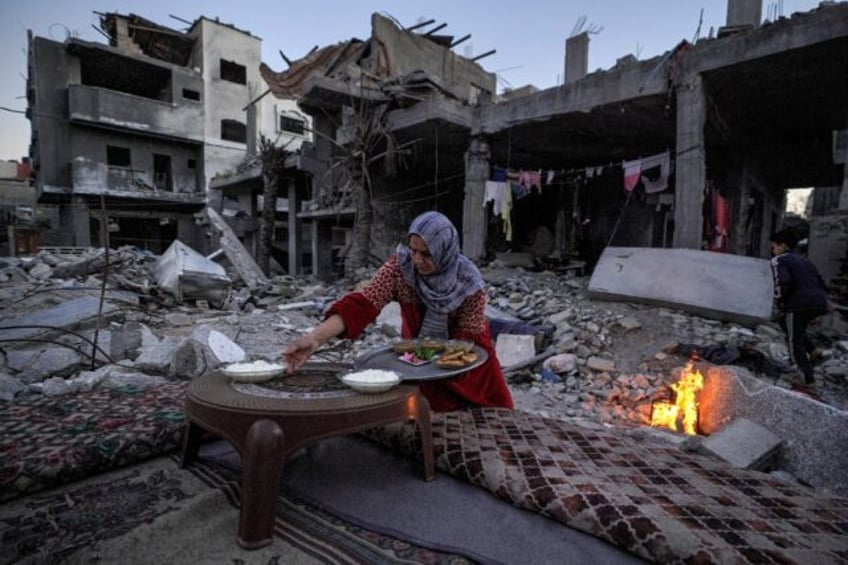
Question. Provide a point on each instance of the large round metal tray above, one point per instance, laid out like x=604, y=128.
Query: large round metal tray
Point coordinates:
x=387, y=358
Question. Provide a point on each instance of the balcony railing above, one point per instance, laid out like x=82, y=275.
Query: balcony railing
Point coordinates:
x=126, y=111
x=93, y=178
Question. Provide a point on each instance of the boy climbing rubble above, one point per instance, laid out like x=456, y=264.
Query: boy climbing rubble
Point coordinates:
x=801, y=297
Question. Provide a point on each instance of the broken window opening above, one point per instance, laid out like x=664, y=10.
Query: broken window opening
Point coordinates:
x=233, y=72
x=292, y=125
x=190, y=94
x=122, y=74
x=192, y=164
x=162, y=178
x=233, y=130
x=118, y=156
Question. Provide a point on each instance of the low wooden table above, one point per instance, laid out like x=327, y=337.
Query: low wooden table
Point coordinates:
x=266, y=426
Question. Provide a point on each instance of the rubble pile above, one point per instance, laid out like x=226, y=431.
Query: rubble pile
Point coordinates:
x=604, y=362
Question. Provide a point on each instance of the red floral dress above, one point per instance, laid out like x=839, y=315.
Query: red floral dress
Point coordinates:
x=483, y=386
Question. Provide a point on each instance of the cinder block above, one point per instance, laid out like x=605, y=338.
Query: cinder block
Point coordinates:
x=744, y=443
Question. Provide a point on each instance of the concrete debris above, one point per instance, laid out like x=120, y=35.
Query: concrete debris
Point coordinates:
x=744, y=444
x=604, y=364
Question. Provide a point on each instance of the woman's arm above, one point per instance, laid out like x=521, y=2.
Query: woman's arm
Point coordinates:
x=303, y=347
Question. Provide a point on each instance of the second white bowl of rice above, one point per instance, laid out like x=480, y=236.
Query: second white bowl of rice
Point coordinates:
x=371, y=380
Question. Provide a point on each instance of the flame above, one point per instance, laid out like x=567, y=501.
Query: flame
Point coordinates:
x=685, y=406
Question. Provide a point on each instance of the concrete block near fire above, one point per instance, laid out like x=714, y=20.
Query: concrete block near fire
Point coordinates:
x=745, y=444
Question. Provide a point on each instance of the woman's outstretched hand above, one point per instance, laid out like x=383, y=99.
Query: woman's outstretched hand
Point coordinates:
x=299, y=351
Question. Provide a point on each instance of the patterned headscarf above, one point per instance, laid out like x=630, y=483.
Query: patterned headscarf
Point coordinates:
x=456, y=277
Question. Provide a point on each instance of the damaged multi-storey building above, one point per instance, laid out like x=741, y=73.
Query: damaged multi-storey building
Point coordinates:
x=693, y=149
x=127, y=136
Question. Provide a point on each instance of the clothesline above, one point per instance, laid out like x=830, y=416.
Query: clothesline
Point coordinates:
x=635, y=170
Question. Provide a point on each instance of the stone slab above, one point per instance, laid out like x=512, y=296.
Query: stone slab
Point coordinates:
x=512, y=349
x=715, y=285
x=814, y=433
x=68, y=314
x=744, y=444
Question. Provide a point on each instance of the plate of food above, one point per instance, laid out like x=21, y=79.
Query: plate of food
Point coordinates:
x=462, y=356
x=371, y=381
x=254, y=371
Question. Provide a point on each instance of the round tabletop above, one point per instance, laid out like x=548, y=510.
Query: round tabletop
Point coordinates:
x=315, y=388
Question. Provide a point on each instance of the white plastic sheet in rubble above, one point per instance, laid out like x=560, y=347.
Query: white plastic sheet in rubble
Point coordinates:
x=186, y=274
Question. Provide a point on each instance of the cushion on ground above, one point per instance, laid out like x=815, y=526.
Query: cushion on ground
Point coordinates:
x=49, y=441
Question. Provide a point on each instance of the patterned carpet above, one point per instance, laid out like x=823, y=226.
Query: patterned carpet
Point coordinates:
x=155, y=512
x=656, y=502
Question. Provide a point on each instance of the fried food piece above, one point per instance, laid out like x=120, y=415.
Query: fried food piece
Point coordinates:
x=456, y=360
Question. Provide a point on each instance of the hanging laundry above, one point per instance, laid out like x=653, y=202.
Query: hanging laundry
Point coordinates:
x=632, y=173
x=550, y=178
x=498, y=174
x=518, y=190
x=506, y=213
x=655, y=171
x=529, y=179
x=494, y=192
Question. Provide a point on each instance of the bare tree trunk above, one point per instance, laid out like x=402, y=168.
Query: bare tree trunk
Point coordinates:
x=360, y=247
x=266, y=227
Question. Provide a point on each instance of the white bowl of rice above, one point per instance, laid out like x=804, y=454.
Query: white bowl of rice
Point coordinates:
x=371, y=381
x=254, y=371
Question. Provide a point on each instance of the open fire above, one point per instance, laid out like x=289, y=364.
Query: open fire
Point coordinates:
x=684, y=410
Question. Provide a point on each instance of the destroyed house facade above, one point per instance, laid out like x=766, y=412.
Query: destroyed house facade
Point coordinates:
x=127, y=135
x=691, y=149
x=400, y=100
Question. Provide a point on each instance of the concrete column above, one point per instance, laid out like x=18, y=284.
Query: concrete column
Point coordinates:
x=294, y=226
x=13, y=243
x=473, y=213
x=252, y=129
x=842, y=144
x=691, y=167
x=576, y=57
x=744, y=12
x=322, y=250
x=80, y=222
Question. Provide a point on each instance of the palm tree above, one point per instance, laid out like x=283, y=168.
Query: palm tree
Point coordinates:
x=273, y=160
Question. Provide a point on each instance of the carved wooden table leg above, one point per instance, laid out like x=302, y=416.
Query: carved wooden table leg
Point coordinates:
x=191, y=443
x=423, y=417
x=262, y=466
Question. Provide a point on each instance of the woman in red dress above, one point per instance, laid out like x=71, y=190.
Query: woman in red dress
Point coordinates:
x=441, y=295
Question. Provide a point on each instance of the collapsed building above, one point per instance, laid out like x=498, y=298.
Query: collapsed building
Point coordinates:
x=693, y=149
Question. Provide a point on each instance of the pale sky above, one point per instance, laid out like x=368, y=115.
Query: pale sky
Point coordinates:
x=529, y=35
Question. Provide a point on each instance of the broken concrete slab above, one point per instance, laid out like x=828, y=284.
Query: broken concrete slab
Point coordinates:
x=513, y=349
x=156, y=354
x=716, y=285
x=69, y=314
x=51, y=362
x=596, y=363
x=813, y=432
x=244, y=263
x=744, y=444
x=10, y=387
